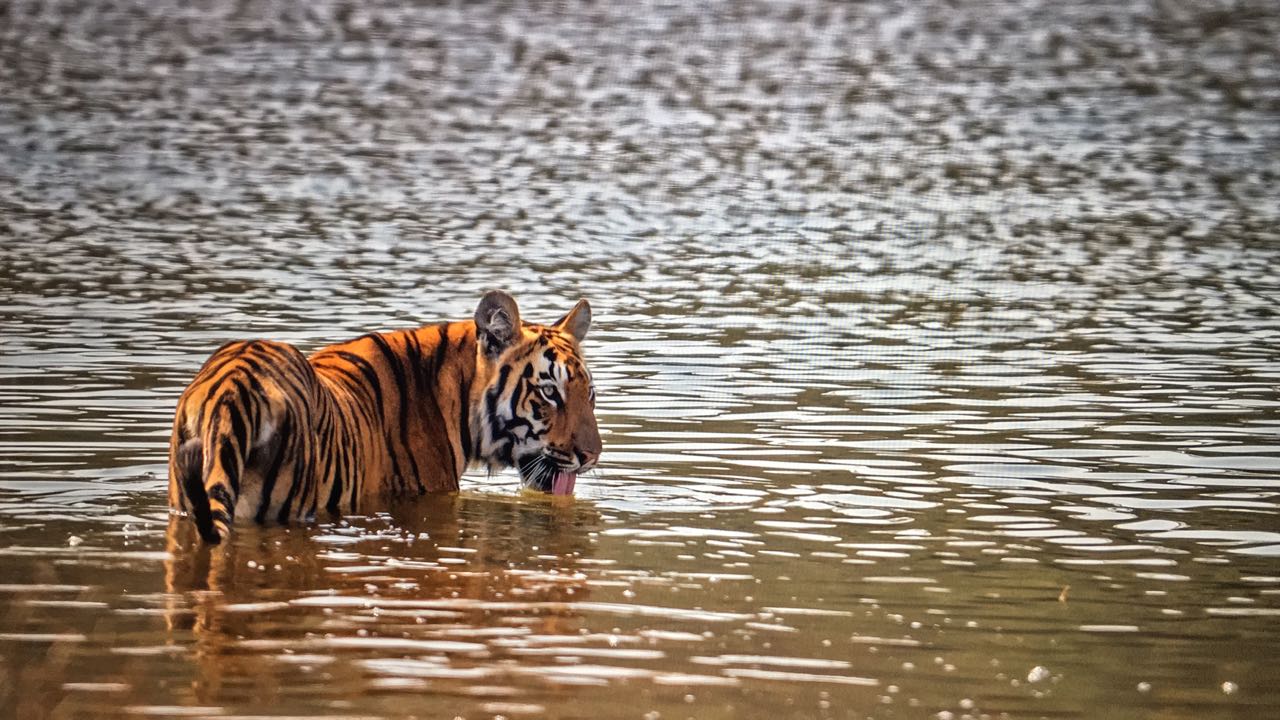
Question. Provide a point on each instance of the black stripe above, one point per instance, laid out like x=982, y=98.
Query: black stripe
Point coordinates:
x=324, y=448
x=239, y=354
x=339, y=472
x=291, y=374
x=357, y=484
x=521, y=388
x=367, y=370
x=516, y=422
x=252, y=399
x=238, y=427
x=287, y=369
x=402, y=386
x=252, y=379
x=295, y=483
x=442, y=349
x=491, y=397
x=210, y=399
x=346, y=373
x=305, y=484
x=228, y=455
x=350, y=462
x=218, y=493
x=413, y=349
x=371, y=382
x=419, y=373
x=439, y=358
x=187, y=461
x=269, y=479
x=354, y=383
x=199, y=502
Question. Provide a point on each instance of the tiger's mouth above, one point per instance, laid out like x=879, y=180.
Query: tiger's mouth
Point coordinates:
x=541, y=473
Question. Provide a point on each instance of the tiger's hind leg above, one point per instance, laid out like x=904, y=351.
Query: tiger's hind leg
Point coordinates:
x=234, y=452
x=185, y=469
x=207, y=455
x=238, y=422
x=264, y=466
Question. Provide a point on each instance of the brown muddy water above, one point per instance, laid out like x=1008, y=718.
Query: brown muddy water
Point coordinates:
x=937, y=349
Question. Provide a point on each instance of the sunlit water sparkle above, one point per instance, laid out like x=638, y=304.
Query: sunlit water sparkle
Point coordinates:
x=937, y=355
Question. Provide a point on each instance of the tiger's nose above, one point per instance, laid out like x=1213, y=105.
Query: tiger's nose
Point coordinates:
x=586, y=459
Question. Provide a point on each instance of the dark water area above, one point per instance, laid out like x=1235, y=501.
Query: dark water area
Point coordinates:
x=936, y=349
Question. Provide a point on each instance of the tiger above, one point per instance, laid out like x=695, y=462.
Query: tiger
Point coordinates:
x=267, y=434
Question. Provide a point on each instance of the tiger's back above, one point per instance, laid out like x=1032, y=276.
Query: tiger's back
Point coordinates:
x=267, y=434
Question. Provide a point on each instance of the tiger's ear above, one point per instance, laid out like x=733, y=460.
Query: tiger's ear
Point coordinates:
x=578, y=321
x=497, y=322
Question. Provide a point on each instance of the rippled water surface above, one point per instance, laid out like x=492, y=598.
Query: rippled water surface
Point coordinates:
x=937, y=350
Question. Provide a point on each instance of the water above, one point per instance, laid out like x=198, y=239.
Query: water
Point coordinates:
x=936, y=346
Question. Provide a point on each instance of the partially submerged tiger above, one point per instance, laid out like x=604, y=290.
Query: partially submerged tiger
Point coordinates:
x=264, y=433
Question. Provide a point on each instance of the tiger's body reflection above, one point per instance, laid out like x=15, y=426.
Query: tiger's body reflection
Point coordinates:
x=275, y=602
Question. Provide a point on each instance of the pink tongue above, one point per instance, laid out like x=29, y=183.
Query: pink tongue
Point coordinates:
x=562, y=483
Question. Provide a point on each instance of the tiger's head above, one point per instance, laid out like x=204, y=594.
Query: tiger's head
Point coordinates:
x=537, y=409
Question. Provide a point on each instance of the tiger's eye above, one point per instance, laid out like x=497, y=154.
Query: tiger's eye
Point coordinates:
x=548, y=392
